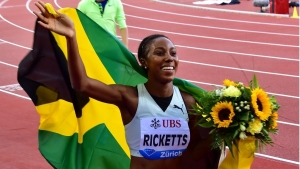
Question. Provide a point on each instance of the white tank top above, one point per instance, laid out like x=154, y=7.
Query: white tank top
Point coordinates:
x=154, y=133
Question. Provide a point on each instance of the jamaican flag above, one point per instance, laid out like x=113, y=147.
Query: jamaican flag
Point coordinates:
x=76, y=131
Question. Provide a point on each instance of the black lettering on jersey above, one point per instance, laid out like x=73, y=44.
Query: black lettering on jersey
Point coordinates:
x=179, y=138
x=184, y=139
x=161, y=140
x=167, y=143
x=146, y=139
x=174, y=136
x=154, y=142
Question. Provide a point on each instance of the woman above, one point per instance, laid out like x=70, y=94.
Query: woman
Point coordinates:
x=159, y=131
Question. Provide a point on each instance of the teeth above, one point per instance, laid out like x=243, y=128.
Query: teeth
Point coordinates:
x=167, y=68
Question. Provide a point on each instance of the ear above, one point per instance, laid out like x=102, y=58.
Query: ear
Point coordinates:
x=143, y=62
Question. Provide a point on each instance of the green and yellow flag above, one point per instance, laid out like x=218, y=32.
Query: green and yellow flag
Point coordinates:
x=75, y=131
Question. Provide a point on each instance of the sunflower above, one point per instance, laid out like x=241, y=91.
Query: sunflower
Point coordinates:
x=228, y=83
x=274, y=118
x=261, y=104
x=222, y=114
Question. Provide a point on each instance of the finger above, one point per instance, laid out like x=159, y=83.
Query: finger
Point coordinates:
x=41, y=3
x=41, y=17
x=44, y=25
x=41, y=7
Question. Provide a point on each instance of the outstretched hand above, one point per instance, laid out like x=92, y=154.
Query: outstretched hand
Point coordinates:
x=60, y=24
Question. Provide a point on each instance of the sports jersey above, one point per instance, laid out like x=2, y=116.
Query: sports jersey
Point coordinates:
x=157, y=134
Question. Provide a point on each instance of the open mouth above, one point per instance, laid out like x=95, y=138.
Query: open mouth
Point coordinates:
x=168, y=68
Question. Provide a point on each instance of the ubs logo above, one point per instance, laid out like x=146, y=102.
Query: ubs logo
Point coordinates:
x=155, y=123
x=171, y=123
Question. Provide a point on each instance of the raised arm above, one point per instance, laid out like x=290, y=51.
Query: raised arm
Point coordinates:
x=64, y=26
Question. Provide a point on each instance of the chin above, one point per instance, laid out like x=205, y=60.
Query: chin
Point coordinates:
x=167, y=80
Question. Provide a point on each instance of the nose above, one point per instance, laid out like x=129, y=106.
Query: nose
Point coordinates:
x=168, y=57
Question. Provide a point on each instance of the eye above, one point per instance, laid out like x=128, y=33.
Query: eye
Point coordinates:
x=159, y=53
x=173, y=53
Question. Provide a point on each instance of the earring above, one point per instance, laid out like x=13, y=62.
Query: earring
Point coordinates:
x=145, y=67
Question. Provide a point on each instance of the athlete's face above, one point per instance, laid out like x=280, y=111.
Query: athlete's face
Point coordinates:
x=162, y=60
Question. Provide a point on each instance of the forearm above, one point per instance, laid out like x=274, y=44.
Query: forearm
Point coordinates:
x=75, y=65
x=124, y=35
x=201, y=141
x=202, y=148
x=88, y=86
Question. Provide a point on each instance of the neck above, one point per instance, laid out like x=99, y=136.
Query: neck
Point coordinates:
x=158, y=89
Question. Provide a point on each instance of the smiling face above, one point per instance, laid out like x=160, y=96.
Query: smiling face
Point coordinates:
x=161, y=61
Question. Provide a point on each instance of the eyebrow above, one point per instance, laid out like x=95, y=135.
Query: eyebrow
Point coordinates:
x=164, y=48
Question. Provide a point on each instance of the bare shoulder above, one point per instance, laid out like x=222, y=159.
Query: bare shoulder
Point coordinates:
x=189, y=100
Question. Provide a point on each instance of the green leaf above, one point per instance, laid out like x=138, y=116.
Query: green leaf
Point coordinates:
x=202, y=120
x=274, y=103
x=207, y=124
x=245, y=116
x=265, y=132
x=255, y=82
x=251, y=84
x=236, y=132
x=229, y=144
x=234, y=124
x=247, y=94
x=272, y=99
x=212, y=131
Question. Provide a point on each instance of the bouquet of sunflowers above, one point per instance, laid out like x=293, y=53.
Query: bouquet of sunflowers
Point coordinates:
x=236, y=112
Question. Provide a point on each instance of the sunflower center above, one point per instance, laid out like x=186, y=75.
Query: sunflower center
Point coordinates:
x=259, y=104
x=224, y=114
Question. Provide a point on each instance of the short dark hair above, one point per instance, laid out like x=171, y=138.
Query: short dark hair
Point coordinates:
x=145, y=44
